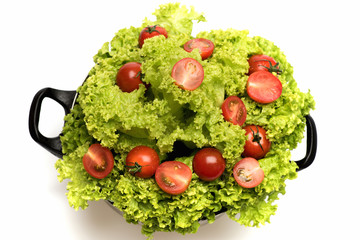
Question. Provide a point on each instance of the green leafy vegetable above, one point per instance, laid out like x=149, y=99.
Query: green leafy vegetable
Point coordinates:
x=163, y=114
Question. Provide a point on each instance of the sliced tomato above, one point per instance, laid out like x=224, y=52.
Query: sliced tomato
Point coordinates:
x=98, y=161
x=247, y=173
x=128, y=77
x=151, y=31
x=234, y=110
x=263, y=63
x=173, y=177
x=208, y=164
x=205, y=46
x=142, y=161
x=263, y=87
x=188, y=74
x=256, y=145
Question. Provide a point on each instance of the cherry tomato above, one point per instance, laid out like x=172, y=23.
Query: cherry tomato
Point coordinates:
x=98, y=161
x=205, y=46
x=263, y=63
x=128, y=77
x=208, y=164
x=263, y=87
x=247, y=173
x=188, y=74
x=173, y=177
x=256, y=145
x=142, y=161
x=151, y=31
x=234, y=110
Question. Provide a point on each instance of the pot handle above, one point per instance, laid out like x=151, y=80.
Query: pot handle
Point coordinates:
x=311, y=144
x=65, y=99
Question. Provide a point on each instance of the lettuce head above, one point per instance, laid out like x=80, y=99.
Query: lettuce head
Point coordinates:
x=164, y=116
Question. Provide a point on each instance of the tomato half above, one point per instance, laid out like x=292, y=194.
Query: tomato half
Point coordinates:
x=234, y=110
x=151, y=31
x=247, y=173
x=263, y=63
x=208, y=164
x=98, y=161
x=256, y=145
x=173, y=177
x=263, y=87
x=128, y=77
x=205, y=46
x=188, y=74
x=142, y=161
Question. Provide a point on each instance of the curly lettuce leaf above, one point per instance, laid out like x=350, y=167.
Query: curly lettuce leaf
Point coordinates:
x=176, y=19
x=75, y=143
x=232, y=48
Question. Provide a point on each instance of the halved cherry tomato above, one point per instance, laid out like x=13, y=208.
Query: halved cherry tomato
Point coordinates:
x=208, y=164
x=142, y=161
x=188, y=74
x=256, y=145
x=205, y=46
x=173, y=177
x=263, y=87
x=128, y=77
x=234, y=110
x=151, y=31
x=263, y=63
x=247, y=173
x=98, y=161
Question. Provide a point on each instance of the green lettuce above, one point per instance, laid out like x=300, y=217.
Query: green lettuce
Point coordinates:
x=177, y=20
x=164, y=116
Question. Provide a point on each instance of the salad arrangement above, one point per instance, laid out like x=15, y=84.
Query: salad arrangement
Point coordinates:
x=173, y=128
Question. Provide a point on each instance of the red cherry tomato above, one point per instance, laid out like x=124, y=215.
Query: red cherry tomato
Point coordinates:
x=188, y=74
x=142, y=161
x=205, y=46
x=256, y=145
x=208, y=164
x=173, y=177
x=234, y=110
x=263, y=63
x=247, y=173
x=128, y=77
x=98, y=161
x=151, y=31
x=263, y=87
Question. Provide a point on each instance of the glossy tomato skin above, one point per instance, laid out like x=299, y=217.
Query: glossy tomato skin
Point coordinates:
x=257, y=145
x=247, y=173
x=151, y=31
x=205, y=46
x=208, y=164
x=188, y=74
x=128, y=77
x=142, y=161
x=263, y=87
x=262, y=63
x=234, y=110
x=98, y=161
x=173, y=177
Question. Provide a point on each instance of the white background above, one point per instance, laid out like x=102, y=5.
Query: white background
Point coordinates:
x=51, y=44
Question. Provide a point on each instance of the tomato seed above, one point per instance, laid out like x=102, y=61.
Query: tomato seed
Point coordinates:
x=244, y=175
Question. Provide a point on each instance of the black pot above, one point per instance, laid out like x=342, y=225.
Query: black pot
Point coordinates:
x=67, y=100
